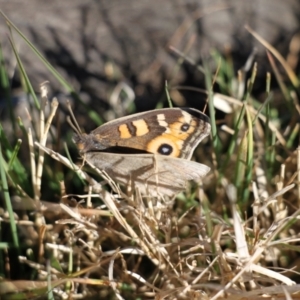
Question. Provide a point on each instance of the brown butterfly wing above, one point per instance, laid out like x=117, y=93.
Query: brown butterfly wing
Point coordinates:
x=173, y=132
x=151, y=174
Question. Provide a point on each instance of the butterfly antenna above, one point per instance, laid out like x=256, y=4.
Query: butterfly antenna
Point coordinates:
x=72, y=120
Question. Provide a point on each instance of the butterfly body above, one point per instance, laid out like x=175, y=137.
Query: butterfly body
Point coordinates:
x=152, y=150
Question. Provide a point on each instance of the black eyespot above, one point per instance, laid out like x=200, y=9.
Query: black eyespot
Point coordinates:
x=165, y=149
x=185, y=127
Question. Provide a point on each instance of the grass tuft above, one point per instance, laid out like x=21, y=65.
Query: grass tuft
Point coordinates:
x=234, y=235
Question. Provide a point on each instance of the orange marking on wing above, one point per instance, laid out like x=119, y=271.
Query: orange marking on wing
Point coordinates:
x=141, y=127
x=154, y=145
x=176, y=130
x=124, y=132
x=174, y=136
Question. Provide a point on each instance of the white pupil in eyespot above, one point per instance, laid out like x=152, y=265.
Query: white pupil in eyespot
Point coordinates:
x=185, y=127
x=165, y=149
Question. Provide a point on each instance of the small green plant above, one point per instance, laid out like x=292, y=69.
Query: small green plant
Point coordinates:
x=231, y=235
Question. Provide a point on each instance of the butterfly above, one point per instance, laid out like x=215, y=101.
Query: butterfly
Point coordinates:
x=150, y=150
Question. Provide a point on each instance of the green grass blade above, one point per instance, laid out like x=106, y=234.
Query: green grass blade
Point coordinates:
x=211, y=108
x=15, y=170
x=232, y=143
x=4, y=85
x=263, y=106
x=168, y=94
x=15, y=152
x=7, y=200
x=28, y=87
x=68, y=87
x=250, y=159
x=240, y=167
x=54, y=72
